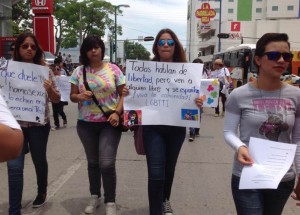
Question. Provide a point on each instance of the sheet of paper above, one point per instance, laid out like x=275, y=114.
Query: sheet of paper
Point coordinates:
x=162, y=93
x=272, y=160
x=209, y=92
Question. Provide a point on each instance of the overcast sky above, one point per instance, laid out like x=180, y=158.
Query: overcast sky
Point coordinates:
x=147, y=17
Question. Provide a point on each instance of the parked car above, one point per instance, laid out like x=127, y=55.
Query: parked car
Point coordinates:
x=49, y=57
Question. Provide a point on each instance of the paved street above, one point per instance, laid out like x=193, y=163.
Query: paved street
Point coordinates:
x=201, y=185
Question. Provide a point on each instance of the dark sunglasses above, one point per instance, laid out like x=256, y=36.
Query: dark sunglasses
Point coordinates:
x=12, y=48
x=275, y=56
x=169, y=42
x=26, y=46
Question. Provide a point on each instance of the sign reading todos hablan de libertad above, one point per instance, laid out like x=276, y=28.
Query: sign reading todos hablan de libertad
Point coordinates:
x=205, y=13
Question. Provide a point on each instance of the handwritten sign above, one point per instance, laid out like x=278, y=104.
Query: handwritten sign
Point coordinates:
x=209, y=92
x=22, y=87
x=162, y=93
x=64, y=87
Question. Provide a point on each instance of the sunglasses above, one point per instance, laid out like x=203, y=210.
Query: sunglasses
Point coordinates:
x=163, y=42
x=26, y=46
x=275, y=56
x=12, y=48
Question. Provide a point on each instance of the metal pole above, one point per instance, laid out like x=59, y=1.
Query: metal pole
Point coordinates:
x=220, y=20
x=116, y=34
x=111, y=48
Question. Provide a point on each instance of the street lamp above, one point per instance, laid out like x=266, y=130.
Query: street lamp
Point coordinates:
x=116, y=8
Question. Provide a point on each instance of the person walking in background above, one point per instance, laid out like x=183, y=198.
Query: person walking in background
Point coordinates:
x=99, y=135
x=11, y=136
x=68, y=61
x=163, y=143
x=221, y=73
x=59, y=64
x=11, y=50
x=27, y=49
x=205, y=75
x=268, y=109
x=58, y=108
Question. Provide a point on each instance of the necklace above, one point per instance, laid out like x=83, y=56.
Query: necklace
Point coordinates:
x=261, y=96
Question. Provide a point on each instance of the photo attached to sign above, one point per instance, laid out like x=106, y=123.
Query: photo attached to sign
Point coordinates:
x=132, y=117
x=188, y=114
x=163, y=92
x=209, y=92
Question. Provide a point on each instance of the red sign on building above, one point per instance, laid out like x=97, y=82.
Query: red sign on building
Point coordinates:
x=205, y=13
x=42, y=6
x=235, y=26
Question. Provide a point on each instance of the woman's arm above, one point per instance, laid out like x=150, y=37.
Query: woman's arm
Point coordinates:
x=11, y=142
x=296, y=140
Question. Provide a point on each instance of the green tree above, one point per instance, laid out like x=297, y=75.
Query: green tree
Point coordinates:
x=21, y=17
x=135, y=50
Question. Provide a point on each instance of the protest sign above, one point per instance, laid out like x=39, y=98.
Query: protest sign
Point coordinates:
x=162, y=93
x=209, y=92
x=23, y=90
x=64, y=87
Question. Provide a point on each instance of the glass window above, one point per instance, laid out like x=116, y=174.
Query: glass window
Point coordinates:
x=259, y=0
x=230, y=10
x=217, y=10
x=258, y=10
x=274, y=8
x=290, y=7
x=230, y=0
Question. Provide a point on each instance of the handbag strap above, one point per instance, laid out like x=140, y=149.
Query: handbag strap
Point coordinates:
x=87, y=87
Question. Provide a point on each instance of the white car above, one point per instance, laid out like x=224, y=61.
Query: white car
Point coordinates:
x=49, y=57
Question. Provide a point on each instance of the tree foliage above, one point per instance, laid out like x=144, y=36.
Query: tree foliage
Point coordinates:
x=21, y=17
x=135, y=50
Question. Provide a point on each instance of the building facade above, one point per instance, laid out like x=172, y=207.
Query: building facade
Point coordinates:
x=244, y=20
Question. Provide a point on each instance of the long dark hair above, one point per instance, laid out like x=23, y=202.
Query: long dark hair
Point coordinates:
x=89, y=43
x=39, y=53
x=179, y=54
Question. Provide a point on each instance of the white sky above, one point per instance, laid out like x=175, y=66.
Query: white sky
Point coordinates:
x=147, y=17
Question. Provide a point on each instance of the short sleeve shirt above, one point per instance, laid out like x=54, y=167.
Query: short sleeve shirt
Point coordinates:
x=104, y=85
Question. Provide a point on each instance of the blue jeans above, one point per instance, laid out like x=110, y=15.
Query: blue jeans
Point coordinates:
x=100, y=142
x=35, y=140
x=261, y=201
x=162, y=146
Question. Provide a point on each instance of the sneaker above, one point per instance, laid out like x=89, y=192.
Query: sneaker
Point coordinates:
x=192, y=138
x=167, y=209
x=216, y=114
x=65, y=123
x=223, y=113
x=92, y=205
x=197, y=134
x=54, y=128
x=111, y=208
x=39, y=200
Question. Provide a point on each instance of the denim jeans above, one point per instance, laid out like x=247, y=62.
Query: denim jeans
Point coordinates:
x=261, y=201
x=162, y=146
x=35, y=139
x=100, y=142
x=58, y=109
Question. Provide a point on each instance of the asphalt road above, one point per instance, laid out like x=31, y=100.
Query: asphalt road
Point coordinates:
x=201, y=185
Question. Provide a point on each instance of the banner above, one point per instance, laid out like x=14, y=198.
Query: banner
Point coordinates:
x=162, y=93
x=64, y=87
x=23, y=90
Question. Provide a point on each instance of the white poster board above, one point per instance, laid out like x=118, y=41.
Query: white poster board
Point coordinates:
x=209, y=92
x=64, y=86
x=22, y=87
x=162, y=93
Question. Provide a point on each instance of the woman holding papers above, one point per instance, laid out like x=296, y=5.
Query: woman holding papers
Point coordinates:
x=36, y=135
x=163, y=143
x=268, y=109
x=98, y=82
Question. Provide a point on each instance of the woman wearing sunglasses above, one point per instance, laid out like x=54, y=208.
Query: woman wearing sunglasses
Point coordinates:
x=268, y=109
x=163, y=143
x=36, y=135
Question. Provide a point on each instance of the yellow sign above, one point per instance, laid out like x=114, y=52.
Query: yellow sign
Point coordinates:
x=205, y=13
